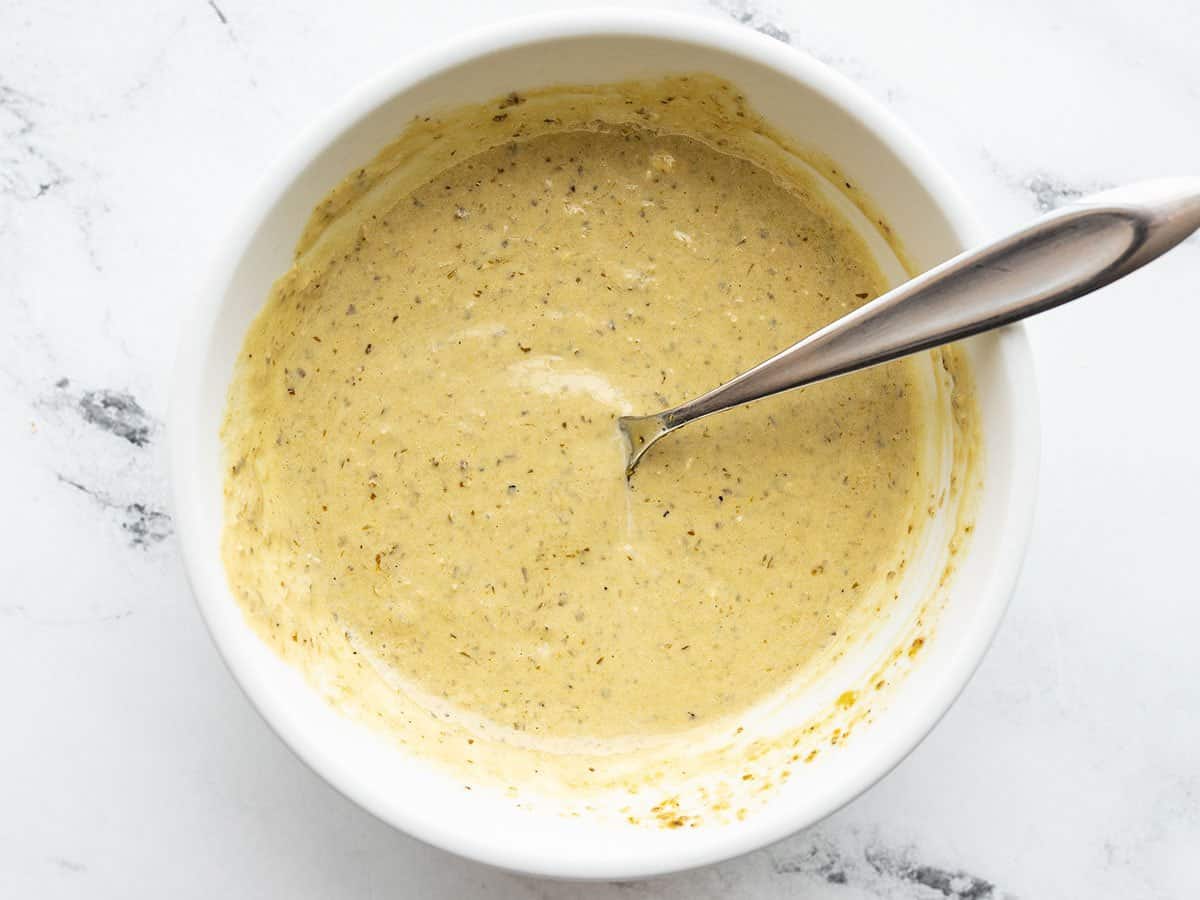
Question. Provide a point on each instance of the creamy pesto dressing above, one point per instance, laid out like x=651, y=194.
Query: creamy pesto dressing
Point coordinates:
x=425, y=486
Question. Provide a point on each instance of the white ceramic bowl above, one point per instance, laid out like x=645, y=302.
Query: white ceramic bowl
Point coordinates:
x=803, y=98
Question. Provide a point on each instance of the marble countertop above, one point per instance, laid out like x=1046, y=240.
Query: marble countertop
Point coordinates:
x=131, y=765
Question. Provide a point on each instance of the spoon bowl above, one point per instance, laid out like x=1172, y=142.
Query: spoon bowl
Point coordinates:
x=818, y=108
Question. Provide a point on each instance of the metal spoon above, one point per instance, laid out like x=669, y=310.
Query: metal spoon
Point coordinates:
x=1063, y=255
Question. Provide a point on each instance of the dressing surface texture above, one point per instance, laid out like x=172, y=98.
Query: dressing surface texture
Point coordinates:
x=424, y=461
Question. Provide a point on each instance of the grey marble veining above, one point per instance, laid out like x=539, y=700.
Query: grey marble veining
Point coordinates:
x=132, y=766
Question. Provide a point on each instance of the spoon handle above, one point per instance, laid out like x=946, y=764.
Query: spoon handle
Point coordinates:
x=1063, y=255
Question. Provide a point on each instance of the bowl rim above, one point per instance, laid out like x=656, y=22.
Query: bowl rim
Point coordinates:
x=726, y=37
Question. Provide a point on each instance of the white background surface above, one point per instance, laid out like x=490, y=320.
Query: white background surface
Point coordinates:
x=131, y=765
